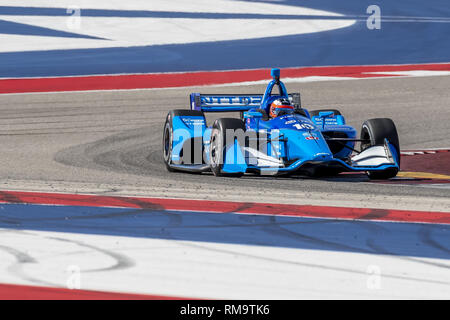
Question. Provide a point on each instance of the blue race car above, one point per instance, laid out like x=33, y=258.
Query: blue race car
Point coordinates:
x=275, y=135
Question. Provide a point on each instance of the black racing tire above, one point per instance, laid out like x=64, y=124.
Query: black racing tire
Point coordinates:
x=219, y=143
x=316, y=112
x=375, y=131
x=168, y=133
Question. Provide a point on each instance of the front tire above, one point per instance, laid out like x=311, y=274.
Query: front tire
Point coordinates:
x=375, y=131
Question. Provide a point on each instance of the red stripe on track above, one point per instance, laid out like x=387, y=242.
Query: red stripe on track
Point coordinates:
x=22, y=292
x=409, y=153
x=437, y=163
x=227, y=207
x=170, y=80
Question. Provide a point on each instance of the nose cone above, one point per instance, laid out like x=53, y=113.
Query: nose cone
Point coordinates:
x=307, y=145
x=322, y=156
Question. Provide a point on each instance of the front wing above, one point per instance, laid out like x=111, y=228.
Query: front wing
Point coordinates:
x=376, y=158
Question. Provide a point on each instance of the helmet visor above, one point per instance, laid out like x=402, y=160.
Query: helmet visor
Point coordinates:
x=277, y=110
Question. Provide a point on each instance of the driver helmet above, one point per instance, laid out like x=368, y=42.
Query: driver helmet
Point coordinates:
x=279, y=107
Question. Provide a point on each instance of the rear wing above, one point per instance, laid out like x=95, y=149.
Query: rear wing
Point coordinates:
x=232, y=102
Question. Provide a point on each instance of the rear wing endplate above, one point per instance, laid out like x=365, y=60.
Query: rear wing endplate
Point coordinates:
x=232, y=102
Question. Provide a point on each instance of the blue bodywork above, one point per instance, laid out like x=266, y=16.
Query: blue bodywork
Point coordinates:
x=293, y=141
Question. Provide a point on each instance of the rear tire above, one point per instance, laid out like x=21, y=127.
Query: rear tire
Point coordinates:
x=375, y=131
x=167, y=141
x=219, y=144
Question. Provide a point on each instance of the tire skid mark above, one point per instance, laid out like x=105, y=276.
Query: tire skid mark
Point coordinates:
x=107, y=125
x=176, y=224
x=20, y=256
x=276, y=229
x=9, y=197
x=51, y=133
x=121, y=261
x=304, y=211
x=22, y=259
x=86, y=101
x=124, y=153
x=53, y=115
x=375, y=214
x=106, y=215
x=72, y=111
x=271, y=220
x=309, y=265
x=129, y=120
x=383, y=251
x=181, y=242
x=426, y=237
x=143, y=208
x=115, y=201
x=376, y=229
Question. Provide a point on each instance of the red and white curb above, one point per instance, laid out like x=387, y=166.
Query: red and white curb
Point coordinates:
x=207, y=78
x=424, y=151
x=26, y=292
x=227, y=207
x=213, y=266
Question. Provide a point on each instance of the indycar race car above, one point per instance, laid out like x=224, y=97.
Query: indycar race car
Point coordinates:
x=274, y=135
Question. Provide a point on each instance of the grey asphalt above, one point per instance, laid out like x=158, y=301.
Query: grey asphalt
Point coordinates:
x=114, y=137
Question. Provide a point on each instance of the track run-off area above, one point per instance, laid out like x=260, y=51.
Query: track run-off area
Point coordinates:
x=72, y=156
x=89, y=211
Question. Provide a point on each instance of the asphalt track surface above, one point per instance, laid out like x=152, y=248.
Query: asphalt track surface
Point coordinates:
x=112, y=141
x=94, y=139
